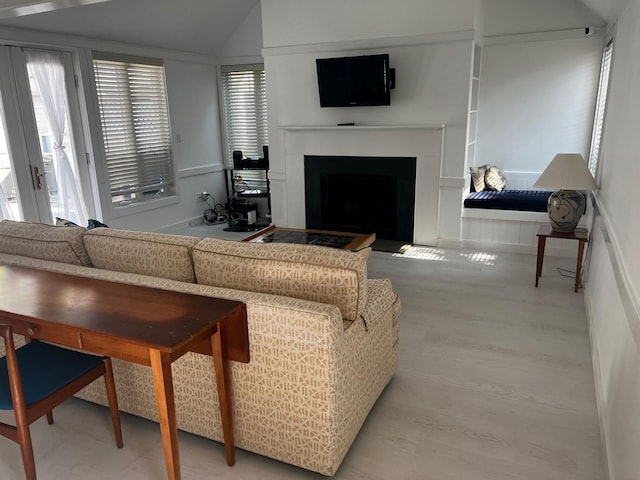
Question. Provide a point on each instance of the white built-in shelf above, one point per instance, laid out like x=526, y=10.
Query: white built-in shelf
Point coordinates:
x=362, y=127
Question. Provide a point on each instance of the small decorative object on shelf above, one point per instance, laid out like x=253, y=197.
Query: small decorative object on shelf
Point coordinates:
x=248, y=192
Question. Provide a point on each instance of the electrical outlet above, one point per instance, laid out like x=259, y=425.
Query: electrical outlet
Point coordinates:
x=203, y=195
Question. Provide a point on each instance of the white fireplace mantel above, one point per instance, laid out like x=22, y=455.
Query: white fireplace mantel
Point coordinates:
x=422, y=141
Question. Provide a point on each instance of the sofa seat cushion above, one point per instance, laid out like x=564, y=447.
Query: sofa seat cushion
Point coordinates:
x=320, y=274
x=146, y=253
x=45, y=242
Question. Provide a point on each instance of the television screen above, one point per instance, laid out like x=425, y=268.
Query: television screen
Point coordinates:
x=354, y=81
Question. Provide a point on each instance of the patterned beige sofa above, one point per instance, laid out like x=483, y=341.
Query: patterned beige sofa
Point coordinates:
x=323, y=337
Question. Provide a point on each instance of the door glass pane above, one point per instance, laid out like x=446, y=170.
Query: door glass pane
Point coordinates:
x=63, y=204
x=9, y=209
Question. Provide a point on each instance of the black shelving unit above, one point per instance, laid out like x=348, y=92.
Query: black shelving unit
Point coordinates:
x=246, y=194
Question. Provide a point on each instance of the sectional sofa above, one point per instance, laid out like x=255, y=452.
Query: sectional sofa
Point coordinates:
x=323, y=337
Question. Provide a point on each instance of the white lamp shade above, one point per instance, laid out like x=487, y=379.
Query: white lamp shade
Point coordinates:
x=567, y=171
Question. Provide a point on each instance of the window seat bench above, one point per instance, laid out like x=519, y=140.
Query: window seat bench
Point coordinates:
x=519, y=200
x=508, y=221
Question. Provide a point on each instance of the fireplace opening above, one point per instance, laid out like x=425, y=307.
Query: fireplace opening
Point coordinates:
x=361, y=195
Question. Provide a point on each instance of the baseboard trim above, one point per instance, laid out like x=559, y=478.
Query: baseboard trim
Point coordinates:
x=518, y=248
x=449, y=243
x=185, y=223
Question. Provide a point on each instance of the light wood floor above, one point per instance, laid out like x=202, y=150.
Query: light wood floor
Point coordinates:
x=494, y=382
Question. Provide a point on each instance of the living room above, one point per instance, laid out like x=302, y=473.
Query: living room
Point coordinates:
x=537, y=95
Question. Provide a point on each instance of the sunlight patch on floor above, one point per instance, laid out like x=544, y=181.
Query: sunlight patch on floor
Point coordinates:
x=423, y=253
x=480, y=257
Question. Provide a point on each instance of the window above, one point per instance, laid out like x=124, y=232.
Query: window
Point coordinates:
x=245, y=110
x=134, y=114
x=601, y=104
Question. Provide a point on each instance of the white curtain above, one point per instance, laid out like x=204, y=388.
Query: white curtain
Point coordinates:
x=5, y=211
x=48, y=71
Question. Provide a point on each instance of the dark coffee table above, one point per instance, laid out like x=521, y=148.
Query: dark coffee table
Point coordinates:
x=304, y=236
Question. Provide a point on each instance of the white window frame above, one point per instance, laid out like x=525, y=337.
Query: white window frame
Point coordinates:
x=595, y=151
x=167, y=198
x=261, y=130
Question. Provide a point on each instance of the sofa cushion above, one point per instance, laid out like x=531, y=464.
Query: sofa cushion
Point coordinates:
x=146, y=253
x=320, y=274
x=46, y=242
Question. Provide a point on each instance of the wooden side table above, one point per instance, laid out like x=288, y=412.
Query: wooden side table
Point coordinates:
x=579, y=234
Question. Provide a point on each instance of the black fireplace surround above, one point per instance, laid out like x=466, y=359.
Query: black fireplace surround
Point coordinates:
x=361, y=195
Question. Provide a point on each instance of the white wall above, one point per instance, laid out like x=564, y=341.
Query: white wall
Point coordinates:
x=536, y=99
x=193, y=104
x=432, y=74
x=197, y=148
x=432, y=83
x=196, y=145
x=300, y=22
x=504, y=17
x=613, y=278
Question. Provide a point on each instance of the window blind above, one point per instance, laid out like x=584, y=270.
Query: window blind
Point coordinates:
x=601, y=103
x=136, y=131
x=245, y=110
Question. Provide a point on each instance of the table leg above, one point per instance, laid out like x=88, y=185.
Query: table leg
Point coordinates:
x=163, y=383
x=221, y=367
x=579, y=264
x=542, y=240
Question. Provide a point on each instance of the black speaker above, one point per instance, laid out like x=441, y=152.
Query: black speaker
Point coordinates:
x=251, y=162
x=237, y=159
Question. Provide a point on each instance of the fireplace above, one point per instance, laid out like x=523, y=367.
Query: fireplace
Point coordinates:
x=423, y=144
x=361, y=194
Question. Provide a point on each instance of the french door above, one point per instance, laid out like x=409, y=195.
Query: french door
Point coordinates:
x=40, y=176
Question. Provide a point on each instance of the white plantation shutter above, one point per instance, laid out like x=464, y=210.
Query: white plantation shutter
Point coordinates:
x=134, y=114
x=245, y=109
x=601, y=104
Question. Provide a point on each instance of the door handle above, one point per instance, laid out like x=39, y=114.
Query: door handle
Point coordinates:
x=37, y=178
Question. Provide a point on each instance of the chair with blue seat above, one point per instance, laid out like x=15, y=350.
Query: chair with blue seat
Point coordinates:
x=36, y=378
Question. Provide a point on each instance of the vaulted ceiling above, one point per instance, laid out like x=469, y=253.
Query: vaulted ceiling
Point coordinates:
x=197, y=26
x=608, y=10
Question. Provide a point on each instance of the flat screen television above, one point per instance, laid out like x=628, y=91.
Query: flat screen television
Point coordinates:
x=354, y=81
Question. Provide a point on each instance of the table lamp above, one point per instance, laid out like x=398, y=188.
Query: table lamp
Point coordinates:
x=568, y=173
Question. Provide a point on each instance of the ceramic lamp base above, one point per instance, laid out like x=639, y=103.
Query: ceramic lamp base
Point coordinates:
x=565, y=209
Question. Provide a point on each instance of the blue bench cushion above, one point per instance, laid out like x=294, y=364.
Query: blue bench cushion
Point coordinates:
x=522, y=200
x=44, y=369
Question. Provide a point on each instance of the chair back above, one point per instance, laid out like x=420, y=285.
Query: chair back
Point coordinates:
x=51, y=374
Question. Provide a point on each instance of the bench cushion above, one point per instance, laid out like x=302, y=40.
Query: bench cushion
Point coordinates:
x=146, y=253
x=522, y=200
x=45, y=242
x=320, y=274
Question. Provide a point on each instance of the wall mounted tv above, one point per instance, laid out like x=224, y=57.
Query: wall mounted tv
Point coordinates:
x=355, y=81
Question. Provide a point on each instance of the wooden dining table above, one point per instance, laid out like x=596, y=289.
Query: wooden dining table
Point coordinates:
x=143, y=325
